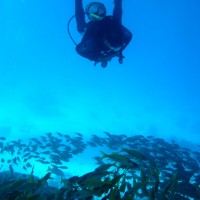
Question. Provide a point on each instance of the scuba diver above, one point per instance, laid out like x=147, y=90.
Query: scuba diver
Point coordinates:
x=104, y=37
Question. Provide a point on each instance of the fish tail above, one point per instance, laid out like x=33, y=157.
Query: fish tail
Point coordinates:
x=104, y=155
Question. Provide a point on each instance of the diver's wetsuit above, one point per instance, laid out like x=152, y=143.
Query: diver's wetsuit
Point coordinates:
x=96, y=33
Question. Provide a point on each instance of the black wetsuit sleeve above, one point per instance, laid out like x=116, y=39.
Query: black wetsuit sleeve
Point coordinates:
x=80, y=16
x=117, y=12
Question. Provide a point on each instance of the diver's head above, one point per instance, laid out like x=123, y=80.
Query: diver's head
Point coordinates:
x=95, y=11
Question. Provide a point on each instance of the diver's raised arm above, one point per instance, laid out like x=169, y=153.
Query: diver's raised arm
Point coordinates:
x=117, y=11
x=80, y=16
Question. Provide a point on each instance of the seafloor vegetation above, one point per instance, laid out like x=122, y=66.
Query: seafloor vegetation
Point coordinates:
x=132, y=167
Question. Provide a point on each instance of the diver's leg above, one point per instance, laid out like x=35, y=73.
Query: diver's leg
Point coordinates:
x=117, y=12
x=80, y=16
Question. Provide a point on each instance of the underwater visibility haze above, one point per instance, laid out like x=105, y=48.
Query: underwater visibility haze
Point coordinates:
x=64, y=123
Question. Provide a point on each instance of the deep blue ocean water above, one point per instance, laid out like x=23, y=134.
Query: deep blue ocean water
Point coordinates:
x=45, y=86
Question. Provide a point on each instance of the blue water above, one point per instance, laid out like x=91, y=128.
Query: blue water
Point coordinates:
x=45, y=86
